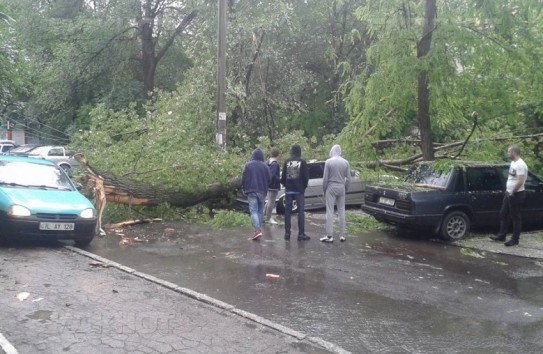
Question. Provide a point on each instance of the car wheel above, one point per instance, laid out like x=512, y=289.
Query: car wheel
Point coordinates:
x=455, y=226
x=85, y=240
x=281, y=206
x=294, y=206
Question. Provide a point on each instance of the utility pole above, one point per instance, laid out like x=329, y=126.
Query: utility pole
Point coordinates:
x=221, y=77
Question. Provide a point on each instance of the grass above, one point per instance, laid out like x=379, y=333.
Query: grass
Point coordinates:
x=224, y=219
x=358, y=223
x=469, y=252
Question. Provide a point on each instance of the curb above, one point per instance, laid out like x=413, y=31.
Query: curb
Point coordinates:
x=213, y=302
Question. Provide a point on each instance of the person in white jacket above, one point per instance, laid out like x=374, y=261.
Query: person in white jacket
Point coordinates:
x=336, y=181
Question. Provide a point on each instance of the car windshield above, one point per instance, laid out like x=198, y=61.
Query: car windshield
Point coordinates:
x=23, y=148
x=42, y=150
x=424, y=175
x=26, y=174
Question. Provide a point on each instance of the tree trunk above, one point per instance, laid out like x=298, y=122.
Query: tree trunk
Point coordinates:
x=423, y=48
x=147, y=48
x=150, y=54
x=123, y=191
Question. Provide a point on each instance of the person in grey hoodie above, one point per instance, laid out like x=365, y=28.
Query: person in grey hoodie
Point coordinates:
x=275, y=186
x=336, y=181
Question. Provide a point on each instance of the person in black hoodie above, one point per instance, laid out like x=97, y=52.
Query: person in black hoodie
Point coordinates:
x=294, y=177
x=254, y=182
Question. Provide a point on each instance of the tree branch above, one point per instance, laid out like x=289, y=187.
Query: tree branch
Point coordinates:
x=474, y=116
x=417, y=157
x=250, y=66
x=179, y=29
x=96, y=54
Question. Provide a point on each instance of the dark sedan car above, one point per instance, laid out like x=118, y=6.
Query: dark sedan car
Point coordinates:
x=451, y=201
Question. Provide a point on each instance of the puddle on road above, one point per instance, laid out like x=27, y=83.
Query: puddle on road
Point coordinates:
x=41, y=316
x=308, y=348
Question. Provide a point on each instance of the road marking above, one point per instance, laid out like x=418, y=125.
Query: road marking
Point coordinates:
x=6, y=346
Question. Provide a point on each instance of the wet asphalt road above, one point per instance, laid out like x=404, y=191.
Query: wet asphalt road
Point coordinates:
x=379, y=292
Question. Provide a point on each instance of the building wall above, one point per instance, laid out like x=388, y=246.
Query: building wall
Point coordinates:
x=17, y=135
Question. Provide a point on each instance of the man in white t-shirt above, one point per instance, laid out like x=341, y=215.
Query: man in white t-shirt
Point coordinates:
x=513, y=199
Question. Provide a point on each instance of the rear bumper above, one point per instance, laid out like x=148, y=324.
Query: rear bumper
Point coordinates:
x=29, y=228
x=426, y=222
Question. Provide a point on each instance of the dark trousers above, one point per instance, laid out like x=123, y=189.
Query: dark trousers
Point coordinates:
x=510, y=211
x=300, y=200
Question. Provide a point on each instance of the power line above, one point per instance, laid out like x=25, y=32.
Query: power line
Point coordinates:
x=41, y=133
x=44, y=125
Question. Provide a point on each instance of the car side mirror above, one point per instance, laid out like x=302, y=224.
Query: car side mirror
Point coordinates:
x=78, y=186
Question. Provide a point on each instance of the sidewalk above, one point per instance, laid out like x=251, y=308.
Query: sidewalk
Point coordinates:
x=79, y=305
x=531, y=245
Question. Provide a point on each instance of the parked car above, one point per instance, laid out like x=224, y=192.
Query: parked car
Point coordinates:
x=6, y=146
x=314, y=195
x=56, y=154
x=449, y=203
x=39, y=201
x=22, y=150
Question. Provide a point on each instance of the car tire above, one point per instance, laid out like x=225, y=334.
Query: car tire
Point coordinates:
x=85, y=240
x=455, y=226
x=280, y=208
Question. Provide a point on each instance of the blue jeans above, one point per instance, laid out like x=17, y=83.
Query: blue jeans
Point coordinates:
x=300, y=200
x=256, y=209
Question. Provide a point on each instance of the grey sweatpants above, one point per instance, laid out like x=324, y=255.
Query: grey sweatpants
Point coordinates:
x=270, y=204
x=335, y=195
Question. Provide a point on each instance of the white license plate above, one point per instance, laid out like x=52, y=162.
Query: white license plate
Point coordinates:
x=57, y=226
x=386, y=201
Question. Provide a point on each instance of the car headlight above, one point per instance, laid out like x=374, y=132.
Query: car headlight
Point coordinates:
x=87, y=213
x=18, y=210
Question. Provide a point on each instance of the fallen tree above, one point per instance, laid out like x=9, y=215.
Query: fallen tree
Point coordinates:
x=121, y=190
x=449, y=150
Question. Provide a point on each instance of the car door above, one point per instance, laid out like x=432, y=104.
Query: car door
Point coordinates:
x=532, y=210
x=485, y=188
x=55, y=154
x=355, y=194
x=314, y=195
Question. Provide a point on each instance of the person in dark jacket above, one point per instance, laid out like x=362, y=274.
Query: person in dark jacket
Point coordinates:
x=275, y=185
x=255, y=181
x=294, y=178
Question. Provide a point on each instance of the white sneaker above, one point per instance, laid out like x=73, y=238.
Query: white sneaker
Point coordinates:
x=328, y=239
x=342, y=238
x=272, y=221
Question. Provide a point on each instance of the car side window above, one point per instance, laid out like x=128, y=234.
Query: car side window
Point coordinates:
x=483, y=179
x=532, y=183
x=459, y=185
x=316, y=170
x=56, y=152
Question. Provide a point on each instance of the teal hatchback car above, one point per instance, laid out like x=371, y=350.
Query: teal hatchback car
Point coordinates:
x=39, y=201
